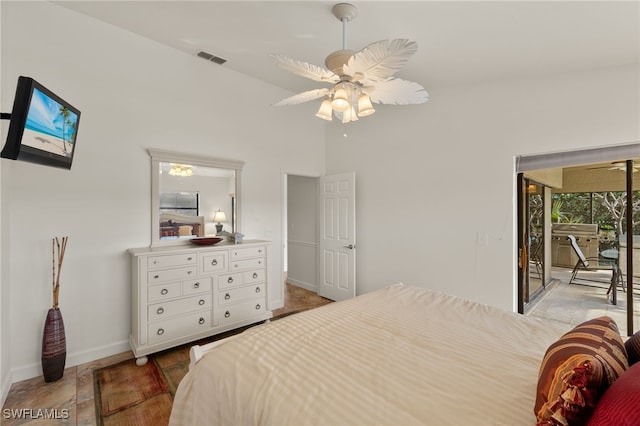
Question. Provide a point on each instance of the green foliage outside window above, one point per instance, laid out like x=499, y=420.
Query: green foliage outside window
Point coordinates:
x=607, y=209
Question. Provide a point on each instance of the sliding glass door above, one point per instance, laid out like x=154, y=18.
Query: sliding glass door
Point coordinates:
x=606, y=194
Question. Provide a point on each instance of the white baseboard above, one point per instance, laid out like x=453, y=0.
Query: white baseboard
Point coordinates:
x=35, y=369
x=302, y=284
x=4, y=389
x=276, y=304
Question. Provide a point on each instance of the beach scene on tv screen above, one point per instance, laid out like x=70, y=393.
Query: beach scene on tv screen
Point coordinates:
x=50, y=126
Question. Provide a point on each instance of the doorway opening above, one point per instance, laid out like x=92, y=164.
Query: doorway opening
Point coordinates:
x=301, y=231
x=319, y=234
x=592, y=196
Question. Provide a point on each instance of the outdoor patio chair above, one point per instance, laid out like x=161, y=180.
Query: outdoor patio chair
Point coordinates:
x=595, y=264
x=536, y=255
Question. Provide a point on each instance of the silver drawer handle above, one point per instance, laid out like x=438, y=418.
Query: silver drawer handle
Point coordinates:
x=214, y=262
x=196, y=285
x=235, y=266
x=227, y=296
x=155, y=277
x=160, y=331
x=164, y=291
x=258, y=307
x=189, y=272
x=189, y=258
x=201, y=302
x=259, y=262
x=255, y=275
x=230, y=280
x=257, y=289
x=227, y=314
x=201, y=320
x=259, y=250
x=160, y=311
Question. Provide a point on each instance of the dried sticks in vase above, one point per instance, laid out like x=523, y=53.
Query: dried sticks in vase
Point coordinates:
x=55, y=243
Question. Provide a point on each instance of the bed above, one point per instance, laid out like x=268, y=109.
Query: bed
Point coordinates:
x=174, y=226
x=400, y=355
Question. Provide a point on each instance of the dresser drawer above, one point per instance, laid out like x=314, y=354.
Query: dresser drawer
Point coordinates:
x=244, y=253
x=229, y=280
x=254, y=276
x=239, y=265
x=162, y=310
x=214, y=262
x=168, y=261
x=179, y=327
x=166, y=291
x=200, y=285
x=176, y=274
x=241, y=311
x=241, y=293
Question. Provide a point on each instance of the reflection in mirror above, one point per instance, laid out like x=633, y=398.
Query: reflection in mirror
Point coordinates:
x=192, y=196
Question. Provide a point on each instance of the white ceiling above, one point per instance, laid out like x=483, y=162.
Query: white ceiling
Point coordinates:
x=458, y=42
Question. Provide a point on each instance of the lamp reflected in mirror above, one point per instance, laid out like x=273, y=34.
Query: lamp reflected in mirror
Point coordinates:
x=218, y=217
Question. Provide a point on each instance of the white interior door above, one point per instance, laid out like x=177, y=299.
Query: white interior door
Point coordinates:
x=337, y=236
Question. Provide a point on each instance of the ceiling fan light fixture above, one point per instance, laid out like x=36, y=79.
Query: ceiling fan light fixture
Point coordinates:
x=365, y=108
x=325, y=110
x=340, y=99
x=371, y=68
x=349, y=115
x=180, y=170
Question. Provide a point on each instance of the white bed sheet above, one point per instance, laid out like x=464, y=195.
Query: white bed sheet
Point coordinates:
x=398, y=356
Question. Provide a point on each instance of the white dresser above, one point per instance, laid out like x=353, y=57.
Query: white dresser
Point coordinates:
x=183, y=293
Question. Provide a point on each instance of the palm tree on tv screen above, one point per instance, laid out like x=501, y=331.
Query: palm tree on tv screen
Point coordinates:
x=64, y=112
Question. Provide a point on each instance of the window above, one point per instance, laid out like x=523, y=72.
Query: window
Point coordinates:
x=184, y=203
x=607, y=209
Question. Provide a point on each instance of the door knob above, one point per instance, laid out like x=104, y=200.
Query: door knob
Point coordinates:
x=350, y=246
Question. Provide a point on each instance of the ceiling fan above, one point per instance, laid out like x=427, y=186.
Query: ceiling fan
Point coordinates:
x=357, y=78
x=618, y=165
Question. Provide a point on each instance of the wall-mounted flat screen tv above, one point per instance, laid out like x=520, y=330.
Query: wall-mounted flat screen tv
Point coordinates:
x=43, y=127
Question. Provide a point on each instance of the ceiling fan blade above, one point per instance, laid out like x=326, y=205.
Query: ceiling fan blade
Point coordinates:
x=397, y=92
x=303, y=97
x=379, y=61
x=304, y=69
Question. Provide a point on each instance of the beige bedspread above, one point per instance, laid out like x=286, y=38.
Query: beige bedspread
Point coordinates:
x=398, y=356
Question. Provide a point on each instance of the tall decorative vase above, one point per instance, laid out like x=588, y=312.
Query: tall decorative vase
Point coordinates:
x=54, y=346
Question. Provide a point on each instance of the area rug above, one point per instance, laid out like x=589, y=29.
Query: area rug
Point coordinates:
x=128, y=394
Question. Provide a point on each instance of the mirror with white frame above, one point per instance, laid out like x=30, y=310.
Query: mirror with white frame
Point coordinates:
x=188, y=192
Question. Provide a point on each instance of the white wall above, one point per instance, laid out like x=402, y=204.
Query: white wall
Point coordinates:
x=435, y=182
x=133, y=94
x=302, y=231
x=5, y=367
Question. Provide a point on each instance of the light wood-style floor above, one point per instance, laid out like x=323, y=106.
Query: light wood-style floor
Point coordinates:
x=70, y=400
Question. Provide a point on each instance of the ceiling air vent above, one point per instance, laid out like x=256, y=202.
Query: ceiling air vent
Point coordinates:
x=212, y=58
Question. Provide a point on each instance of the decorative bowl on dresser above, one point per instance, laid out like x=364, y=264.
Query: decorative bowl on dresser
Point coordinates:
x=205, y=241
x=184, y=293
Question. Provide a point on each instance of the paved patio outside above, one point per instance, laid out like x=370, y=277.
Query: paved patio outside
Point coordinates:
x=584, y=299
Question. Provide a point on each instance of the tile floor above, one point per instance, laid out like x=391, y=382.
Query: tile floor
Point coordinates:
x=575, y=303
x=70, y=400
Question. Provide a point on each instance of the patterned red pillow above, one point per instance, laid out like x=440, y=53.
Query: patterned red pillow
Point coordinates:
x=576, y=371
x=633, y=348
x=620, y=404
